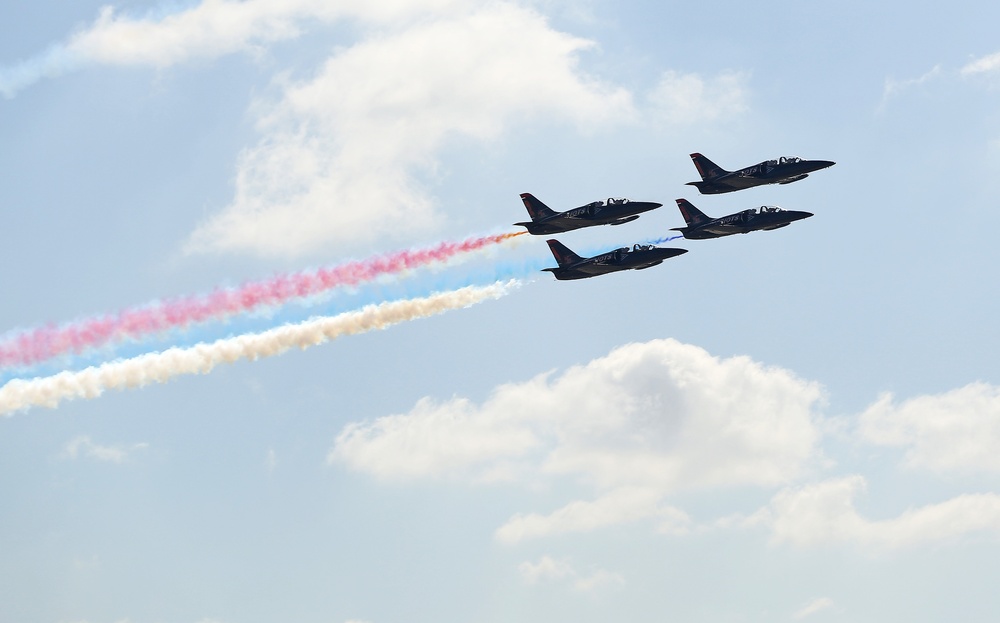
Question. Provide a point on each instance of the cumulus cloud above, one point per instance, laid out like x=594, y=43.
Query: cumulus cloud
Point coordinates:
x=824, y=514
x=640, y=423
x=956, y=431
x=683, y=98
x=548, y=569
x=83, y=446
x=340, y=154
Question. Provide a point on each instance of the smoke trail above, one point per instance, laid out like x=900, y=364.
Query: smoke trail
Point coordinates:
x=667, y=239
x=202, y=358
x=37, y=345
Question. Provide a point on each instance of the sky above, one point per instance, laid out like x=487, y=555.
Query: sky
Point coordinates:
x=346, y=418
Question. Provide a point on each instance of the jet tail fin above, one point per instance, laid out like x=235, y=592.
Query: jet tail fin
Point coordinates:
x=564, y=257
x=692, y=215
x=536, y=209
x=706, y=167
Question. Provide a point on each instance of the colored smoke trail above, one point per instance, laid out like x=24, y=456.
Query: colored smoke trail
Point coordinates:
x=43, y=343
x=202, y=358
x=667, y=239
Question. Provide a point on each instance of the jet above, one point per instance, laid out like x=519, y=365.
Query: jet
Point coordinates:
x=572, y=266
x=702, y=227
x=784, y=170
x=545, y=220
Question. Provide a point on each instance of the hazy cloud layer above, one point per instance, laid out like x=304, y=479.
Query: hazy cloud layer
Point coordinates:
x=644, y=421
x=956, y=431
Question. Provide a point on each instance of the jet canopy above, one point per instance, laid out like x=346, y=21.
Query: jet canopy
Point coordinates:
x=785, y=160
x=642, y=247
x=762, y=210
x=611, y=201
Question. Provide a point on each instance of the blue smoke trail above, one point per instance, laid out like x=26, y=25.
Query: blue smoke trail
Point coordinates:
x=667, y=239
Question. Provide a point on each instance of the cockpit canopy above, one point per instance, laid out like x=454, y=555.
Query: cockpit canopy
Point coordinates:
x=785, y=160
x=609, y=202
x=762, y=210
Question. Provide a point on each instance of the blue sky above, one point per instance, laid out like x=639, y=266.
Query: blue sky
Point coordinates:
x=796, y=425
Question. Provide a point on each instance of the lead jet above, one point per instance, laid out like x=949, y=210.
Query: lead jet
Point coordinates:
x=702, y=227
x=545, y=220
x=572, y=266
x=784, y=170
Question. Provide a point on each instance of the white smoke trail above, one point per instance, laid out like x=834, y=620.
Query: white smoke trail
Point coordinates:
x=202, y=358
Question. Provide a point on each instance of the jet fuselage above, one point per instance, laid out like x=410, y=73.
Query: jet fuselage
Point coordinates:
x=545, y=221
x=702, y=227
x=716, y=180
x=637, y=258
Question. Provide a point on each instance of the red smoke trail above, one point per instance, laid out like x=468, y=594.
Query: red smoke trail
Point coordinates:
x=37, y=345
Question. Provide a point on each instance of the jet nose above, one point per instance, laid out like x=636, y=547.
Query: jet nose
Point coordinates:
x=822, y=164
x=798, y=216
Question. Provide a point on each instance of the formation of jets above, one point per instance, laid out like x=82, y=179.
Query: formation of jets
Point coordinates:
x=715, y=180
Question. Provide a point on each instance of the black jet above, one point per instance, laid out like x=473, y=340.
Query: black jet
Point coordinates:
x=545, y=220
x=572, y=266
x=702, y=227
x=784, y=170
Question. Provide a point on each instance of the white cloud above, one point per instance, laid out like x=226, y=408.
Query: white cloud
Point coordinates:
x=644, y=421
x=339, y=155
x=895, y=87
x=955, y=431
x=689, y=98
x=981, y=65
x=817, y=605
x=548, y=569
x=82, y=446
x=824, y=514
x=210, y=29
x=620, y=506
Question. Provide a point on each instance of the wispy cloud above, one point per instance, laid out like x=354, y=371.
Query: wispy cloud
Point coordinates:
x=957, y=431
x=982, y=65
x=817, y=605
x=84, y=447
x=549, y=569
x=620, y=506
x=165, y=37
x=824, y=514
x=685, y=98
x=894, y=87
